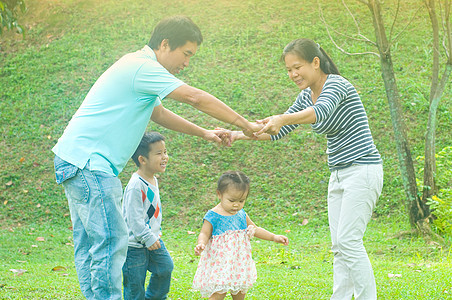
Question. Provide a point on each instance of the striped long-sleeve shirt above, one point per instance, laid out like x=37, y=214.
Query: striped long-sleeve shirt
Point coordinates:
x=340, y=115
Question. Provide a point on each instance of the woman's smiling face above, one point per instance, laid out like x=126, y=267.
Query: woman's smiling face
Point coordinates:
x=301, y=72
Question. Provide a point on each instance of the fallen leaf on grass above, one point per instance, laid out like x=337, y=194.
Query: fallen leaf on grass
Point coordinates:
x=305, y=221
x=394, y=275
x=288, y=230
x=191, y=232
x=9, y=183
x=22, y=159
x=58, y=268
x=40, y=239
x=18, y=272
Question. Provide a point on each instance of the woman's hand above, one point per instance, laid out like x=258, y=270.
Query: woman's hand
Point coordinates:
x=254, y=127
x=272, y=125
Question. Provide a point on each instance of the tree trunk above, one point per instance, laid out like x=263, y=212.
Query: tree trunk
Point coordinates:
x=417, y=209
x=436, y=91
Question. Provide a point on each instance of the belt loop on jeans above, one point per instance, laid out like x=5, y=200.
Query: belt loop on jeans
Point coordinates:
x=336, y=174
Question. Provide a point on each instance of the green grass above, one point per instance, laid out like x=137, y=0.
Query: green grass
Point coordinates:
x=302, y=270
x=45, y=76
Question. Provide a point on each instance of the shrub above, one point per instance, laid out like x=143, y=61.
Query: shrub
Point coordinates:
x=441, y=204
x=8, y=14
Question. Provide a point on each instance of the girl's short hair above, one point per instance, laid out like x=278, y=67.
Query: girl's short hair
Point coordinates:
x=143, y=148
x=236, y=179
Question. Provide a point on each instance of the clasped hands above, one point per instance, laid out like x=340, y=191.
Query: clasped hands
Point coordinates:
x=269, y=125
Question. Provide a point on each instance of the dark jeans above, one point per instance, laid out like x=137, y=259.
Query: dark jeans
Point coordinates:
x=140, y=260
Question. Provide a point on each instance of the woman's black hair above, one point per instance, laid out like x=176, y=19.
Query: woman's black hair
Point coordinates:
x=307, y=49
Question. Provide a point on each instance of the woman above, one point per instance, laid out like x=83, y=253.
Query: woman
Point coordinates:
x=333, y=107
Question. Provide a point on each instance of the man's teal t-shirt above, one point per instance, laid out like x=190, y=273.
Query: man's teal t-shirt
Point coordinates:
x=111, y=121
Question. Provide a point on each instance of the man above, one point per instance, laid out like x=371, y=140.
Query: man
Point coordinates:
x=104, y=133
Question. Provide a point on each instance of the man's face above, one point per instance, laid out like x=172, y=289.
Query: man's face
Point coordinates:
x=176, y=60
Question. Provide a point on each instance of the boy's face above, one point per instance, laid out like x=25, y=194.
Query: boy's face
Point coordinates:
x=157, y=159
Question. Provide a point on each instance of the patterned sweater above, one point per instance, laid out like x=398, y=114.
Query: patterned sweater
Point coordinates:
x=142, y=211
x=341, y=116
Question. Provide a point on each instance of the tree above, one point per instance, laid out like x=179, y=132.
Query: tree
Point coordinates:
x=8, y=14
x=419, y=210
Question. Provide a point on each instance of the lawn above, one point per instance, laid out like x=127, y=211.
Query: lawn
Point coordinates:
x=45, y=75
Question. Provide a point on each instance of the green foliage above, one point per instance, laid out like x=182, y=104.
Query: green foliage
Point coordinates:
x=8, y=14
x=441, y=204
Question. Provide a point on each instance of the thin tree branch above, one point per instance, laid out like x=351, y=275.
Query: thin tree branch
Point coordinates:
x=395, y=19
x=408, y=24
x=357, y=26
x=322, y=18
x=447, y=31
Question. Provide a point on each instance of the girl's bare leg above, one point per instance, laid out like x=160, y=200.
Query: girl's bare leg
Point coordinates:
x=217, y=296
x=239, y=296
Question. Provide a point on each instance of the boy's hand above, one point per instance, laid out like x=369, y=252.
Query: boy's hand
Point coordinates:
x=155, y=246
x=199, y=248
x=281, y=239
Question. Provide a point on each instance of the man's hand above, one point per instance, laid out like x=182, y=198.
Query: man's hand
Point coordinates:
x=155, y=246
x=213, y=136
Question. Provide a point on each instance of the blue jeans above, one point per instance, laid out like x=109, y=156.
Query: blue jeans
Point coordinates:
x=140, y=260
x=100, y=232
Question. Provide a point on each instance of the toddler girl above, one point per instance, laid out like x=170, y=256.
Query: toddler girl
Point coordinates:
x=224, y=242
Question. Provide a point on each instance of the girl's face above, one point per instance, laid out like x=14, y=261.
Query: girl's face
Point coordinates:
x=303, y=73
x=232, y=200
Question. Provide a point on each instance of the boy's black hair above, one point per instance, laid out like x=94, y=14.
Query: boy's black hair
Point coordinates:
x=178, y=30
x=147, y=140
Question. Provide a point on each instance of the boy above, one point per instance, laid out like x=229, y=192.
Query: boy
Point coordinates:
x=142, y=211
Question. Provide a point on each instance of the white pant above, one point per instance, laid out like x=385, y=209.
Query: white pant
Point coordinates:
x=352, y=195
